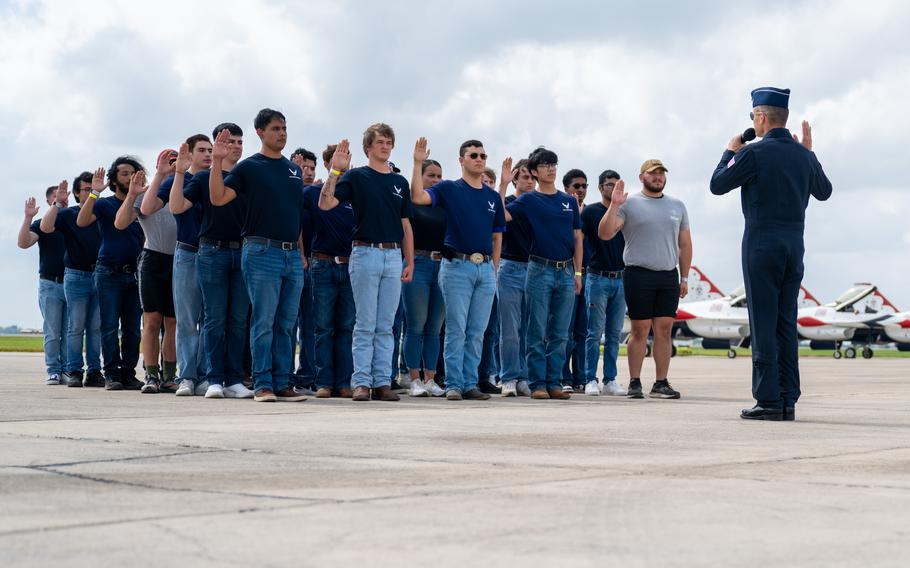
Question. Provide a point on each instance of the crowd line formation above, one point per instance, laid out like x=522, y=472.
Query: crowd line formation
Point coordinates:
x=220, y=267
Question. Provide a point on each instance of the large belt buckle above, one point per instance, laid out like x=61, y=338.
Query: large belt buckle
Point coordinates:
x=287, y=246
x=477, y=258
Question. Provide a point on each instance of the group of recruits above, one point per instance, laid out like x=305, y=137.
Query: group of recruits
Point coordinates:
x=226, y=259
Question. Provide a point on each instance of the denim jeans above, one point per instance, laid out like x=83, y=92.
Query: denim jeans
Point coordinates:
x=606, y=302
x=226, y=307
x=83, y=321
x=188, y=309
x=489, y=355
x=274, y=281
x=551, y=298
x=333, y=316
x=513, y=320
x=573, y=372
x=424, y=312
x=376, y=284
x=468, y=290
x=304, y=336
x=52, y=302
x=121, y=314
x=399, y=327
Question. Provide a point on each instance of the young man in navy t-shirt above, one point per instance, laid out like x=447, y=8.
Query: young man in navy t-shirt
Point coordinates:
x=554, y=273
x=382, y=230
x=475, y=221
x=272, y=259
x=115, y=274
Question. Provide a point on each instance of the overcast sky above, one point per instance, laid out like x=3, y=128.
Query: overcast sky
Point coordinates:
x=603, y=84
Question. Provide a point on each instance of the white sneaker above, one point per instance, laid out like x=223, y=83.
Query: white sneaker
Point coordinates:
x=53, y=379
x=592, y=388
x=567, y=388
x=523, y=388
x=214, y=391
x=202, y=388
x=418, y=389
x=405, y=382
x=434, y=389
x=237, y=391
x=509, y=388
x=186, y=388
x=612, y=388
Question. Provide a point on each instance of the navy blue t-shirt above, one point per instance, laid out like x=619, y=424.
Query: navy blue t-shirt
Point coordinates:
x=380, y=202
x=472, y=215
x=274, y=197
x=429, y=226
x=552, y=220
x=332, y=229
x=516, y=242
x=82, y=243
x=117, y=247
x=605, y=255
x=189, y=221
x=218, y=223
x=51, y=250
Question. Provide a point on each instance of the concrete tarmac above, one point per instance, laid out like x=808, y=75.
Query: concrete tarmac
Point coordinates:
x=94, y=478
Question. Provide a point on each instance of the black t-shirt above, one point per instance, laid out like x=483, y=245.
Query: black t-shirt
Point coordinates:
x=380, y=202
x=118, y=247
x=516, y=241
x=476, y=213
x=274, y=191
x=82, y=243
x=51, y=250
x=332, y=229
x=429, y=226
x=187, y=222
x=605, y=255
x=218, y=223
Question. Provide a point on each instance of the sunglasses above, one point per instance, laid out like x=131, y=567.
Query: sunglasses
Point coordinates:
x=752, y=115
x=475, y=155
x=580, y=185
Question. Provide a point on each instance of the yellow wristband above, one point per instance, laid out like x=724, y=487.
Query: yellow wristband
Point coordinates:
x=577, y=273
x=335, y=172
x=93, y=195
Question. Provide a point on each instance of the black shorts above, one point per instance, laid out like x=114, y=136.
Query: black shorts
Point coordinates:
x=156, y=275
x=651, y=293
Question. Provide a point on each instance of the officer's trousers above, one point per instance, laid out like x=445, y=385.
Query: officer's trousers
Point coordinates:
x=772, y=258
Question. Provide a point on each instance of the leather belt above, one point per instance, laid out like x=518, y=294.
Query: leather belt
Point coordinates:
x=186, y=247
x=550, y=263
x=283, y=245
x=57, y=279
x=476, y=258
x=119, y=269
x=335, y=259
x=606, y=273
x=431, y=254
x=376, y=245
x=220, y=244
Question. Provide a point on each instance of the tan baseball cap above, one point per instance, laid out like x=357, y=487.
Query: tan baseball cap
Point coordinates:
x=651, y=165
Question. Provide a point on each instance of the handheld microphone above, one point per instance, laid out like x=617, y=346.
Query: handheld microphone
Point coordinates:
x=747, y=135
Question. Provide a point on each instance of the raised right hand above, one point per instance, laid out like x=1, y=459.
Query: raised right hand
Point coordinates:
x=341, y=159
x=221, y=149
x=164, y=165
x=421, y=152
x=183, y=159
x=505, y=177
x=63, y=195
x=31, y=207
x=98, y=181
x=619, y=196
x=137, y=183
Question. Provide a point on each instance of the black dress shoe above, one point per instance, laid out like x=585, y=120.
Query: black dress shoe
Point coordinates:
x=759, y=413
x=789, y=413
x=475, y=394
x=487, y=387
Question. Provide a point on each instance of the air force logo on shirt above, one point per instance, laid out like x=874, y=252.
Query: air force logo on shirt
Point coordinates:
x=492, y=206
x=293, y=174
x=567, y=206
x=398, y=192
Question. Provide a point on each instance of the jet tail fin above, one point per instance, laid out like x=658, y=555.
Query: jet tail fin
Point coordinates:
x=879, y=303
x=700, y=287
x=806, y=299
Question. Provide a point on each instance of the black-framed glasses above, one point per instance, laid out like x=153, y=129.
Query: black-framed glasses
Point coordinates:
x=475, y=155
x=580, y=185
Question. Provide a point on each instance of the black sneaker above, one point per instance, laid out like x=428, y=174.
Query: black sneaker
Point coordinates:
x=662, y=389
x=132, y=384
x=73, y=379
x=397, y=388
x=93, y=379
x=151, y=386
x=112, y=384
x=635, y=389
x=487, y=387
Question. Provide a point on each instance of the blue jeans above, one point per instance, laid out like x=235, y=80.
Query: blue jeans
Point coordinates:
x=274, y=281
x=513, y=320
x=573, y=372
x=551, y=298
x=489, y=355
x=83, y=321
x=376, y=283
x=468, y=290
x=226, y=306
x=606, y=309
x=52, y=302
x=424, y=312
x=304, y=336
x=121, y=314
x=398, y=328
x=333, y=317
x=188, y=309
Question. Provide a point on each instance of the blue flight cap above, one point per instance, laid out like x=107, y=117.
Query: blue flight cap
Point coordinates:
x=770, y=96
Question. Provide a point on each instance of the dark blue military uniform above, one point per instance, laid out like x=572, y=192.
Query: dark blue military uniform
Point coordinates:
x=777, y=176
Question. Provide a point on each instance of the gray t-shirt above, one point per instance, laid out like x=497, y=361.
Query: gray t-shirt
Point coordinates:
x=160, y=228
x=651, y=228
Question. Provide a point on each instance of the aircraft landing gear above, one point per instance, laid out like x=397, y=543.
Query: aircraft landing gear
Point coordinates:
x=850, y=353
x=838, y=354
x=731, y=354
x=867, y=352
